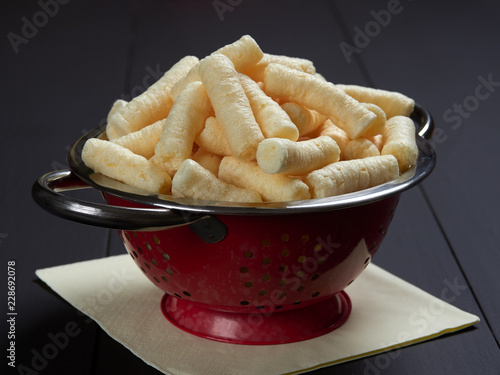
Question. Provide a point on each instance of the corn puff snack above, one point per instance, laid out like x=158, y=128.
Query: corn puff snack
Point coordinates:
x=304, y=119
x=151, y=106
x=378, y=125
x=272, y=119
x=243, y=53
x=392, y=103
x=242, y=125
x=399, y=140
x=123, y=165
x=289, y=84
x=256, y=72
x=271, y=187
x=212, y=138
x=277, y=155
x=231, y=106
x=142, y=142
x=352, y=175
x=184, y=122
x=207, y=160
x=360, y=148
x=377, y=140
x=329, y=129
x=194, y=181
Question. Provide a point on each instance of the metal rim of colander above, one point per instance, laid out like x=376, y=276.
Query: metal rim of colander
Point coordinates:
x=425, y=165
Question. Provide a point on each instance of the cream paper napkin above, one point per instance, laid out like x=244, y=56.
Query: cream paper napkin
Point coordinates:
x=387, y=313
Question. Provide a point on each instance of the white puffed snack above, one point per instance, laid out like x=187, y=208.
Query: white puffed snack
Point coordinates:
x=399, y=140
x=329, y=129
x=184, y=122
x=142, y=142
x=304, y=119
x=277, y=155
x=289, y=84
x=352, y=175
x=360, y=148
x=392, y=103
x=271, y=187
x=231, y=106
x=244, y=53
x=194, y=181
x=152, y=105
x=272, y=119
x=117, y=162
x=212, y=138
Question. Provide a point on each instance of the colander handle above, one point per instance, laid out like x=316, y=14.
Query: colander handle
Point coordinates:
x=424, y=118
x=46, y=192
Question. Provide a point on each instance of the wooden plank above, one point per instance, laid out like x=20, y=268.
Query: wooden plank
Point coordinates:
x=58, y=84
x=442, y=55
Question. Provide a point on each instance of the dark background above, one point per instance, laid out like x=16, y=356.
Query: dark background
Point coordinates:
x=61, y=79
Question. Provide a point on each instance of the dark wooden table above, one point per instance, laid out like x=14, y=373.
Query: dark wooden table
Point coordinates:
x=64, y=62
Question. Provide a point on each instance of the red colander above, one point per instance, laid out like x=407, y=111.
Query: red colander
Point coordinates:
x=267, y=273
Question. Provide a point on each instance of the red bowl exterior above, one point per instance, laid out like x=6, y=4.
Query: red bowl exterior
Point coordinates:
x=265, y=262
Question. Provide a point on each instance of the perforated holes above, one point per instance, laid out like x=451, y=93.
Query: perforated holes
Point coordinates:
x=248, y=284
x=284, y=253
x=187, y=294
x=265, y=243
x=248, y=254
x=244, y=270
x=266, y=261
x=156, y=240
x=301, y=259
x=304, y=238
x=166, y=256
x=153, y=260
x=284, y=237
x=315, y=294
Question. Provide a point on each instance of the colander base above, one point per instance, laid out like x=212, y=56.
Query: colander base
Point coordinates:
x=258, y=328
